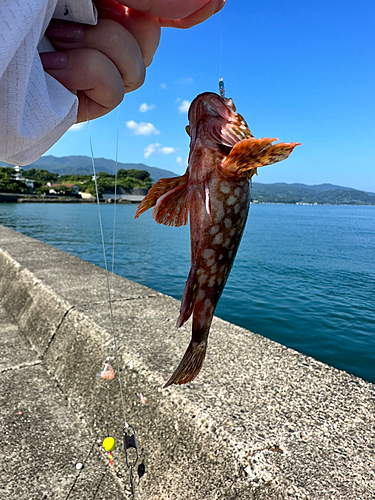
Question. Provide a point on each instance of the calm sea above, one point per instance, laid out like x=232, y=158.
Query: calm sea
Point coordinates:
x=304, y=275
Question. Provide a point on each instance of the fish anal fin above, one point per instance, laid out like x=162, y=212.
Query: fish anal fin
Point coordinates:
x=190, y=365
x=173, y=186
x=249, y=154
x=189, y=297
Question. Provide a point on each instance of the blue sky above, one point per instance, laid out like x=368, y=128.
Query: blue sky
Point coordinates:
x=300, y=71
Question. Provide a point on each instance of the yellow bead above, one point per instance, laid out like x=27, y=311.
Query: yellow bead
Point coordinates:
x=109, y=444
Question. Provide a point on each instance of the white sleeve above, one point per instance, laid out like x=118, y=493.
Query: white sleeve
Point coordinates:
x=35, y=109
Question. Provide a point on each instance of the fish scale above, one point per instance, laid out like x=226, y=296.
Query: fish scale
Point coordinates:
x=214, y=192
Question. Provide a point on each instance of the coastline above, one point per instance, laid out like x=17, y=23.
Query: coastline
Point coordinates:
x=22, y=198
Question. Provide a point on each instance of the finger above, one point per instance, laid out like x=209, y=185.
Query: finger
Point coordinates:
x=168, y=9
x=90, y=73
x=108, y=37
x=144, y=28
x=197, y=17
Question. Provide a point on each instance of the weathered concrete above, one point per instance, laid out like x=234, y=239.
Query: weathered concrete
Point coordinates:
x=261, y=420
x=41, y=438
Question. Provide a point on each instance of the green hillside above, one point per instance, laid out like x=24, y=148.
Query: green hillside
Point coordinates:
x=78, y=170
x=323, y=194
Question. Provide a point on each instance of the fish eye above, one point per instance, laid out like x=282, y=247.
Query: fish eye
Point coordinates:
x=187, y=128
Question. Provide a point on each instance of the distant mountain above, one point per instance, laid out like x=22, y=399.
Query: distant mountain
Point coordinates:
x=82, y=165
x=322, y=194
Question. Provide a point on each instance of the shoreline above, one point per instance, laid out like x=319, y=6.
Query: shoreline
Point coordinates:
x=21, y=198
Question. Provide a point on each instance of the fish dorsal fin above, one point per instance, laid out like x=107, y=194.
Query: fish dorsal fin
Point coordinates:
x=170, y=198
x=249, y=154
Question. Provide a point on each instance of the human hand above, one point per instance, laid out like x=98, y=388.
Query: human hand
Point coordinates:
x=170, y=13
x=101, y=63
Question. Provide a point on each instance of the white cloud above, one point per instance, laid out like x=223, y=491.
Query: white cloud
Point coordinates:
x=181, y=162
x=184, y=106
x=157, y=149
x=77, y=126
x=142, y=128
x=167, y=150
x=185, y=81
x=146, y=107
x=150, y=149
x=163, y=86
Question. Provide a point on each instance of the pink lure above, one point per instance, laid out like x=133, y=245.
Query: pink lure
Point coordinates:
x=108, y=372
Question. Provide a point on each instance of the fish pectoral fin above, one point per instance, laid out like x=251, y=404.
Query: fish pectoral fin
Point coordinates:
x=164, y=193
x=249, y=154
x=190, y=365
x=172, y=209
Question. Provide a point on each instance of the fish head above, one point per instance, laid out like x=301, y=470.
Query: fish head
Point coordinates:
x=210, y=106
x=213, y=119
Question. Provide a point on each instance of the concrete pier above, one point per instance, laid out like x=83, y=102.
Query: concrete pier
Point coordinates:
x=261, y=421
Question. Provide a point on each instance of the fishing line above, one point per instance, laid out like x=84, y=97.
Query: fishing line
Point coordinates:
x=115, y=200
x=128, y=430
x=221, y=42
x=221, y=81
x=106, y=270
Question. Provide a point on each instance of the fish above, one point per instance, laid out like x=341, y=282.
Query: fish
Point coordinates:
x=214, y=193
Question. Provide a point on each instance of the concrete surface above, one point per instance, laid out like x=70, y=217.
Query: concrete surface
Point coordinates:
x=260, y=422
x=41, y=437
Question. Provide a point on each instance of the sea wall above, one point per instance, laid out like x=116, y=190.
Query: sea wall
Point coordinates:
x=261, y=421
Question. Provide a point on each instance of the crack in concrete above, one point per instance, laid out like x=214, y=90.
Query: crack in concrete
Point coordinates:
x=57, y=329
x=22, y=365
x=123, y=299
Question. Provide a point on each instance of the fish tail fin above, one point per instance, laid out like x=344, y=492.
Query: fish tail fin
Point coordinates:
x=249, y=154
x=170, y=199
x=190, y=364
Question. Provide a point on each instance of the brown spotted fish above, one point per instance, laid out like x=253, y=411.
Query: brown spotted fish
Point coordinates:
x=215, y=192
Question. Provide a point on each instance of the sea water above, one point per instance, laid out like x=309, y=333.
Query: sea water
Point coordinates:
x=304, y=276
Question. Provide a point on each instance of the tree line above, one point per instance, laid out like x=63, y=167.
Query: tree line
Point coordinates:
x=126, y=179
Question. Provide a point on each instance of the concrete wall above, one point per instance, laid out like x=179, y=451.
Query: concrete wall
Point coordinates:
x=260, y=422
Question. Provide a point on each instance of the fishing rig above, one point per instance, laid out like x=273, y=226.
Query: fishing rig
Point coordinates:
x=108, y=373
x=221, y=88
x=128, y=431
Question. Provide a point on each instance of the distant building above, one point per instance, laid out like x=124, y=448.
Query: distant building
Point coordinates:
x=132, y=198
x=63, y=188
x=18, y=176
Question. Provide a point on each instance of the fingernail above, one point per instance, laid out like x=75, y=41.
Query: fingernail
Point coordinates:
x=54, y=60
x=65, y=32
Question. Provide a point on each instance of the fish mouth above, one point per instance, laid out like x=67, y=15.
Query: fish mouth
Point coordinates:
x=212, y=105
